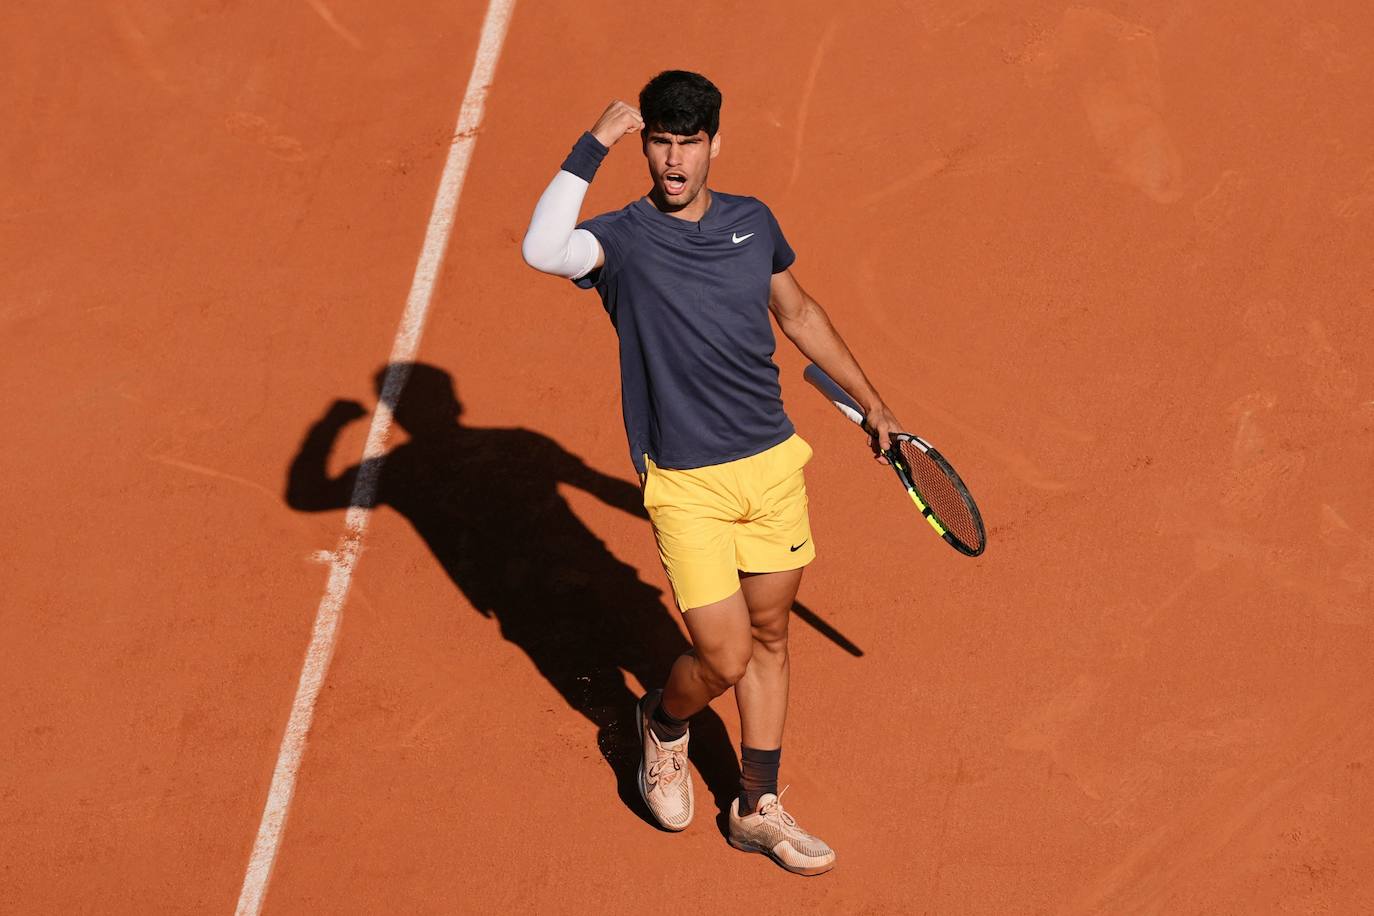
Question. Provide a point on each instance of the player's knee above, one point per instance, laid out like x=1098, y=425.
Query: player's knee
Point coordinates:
x=771, y=643
x=725, y=667
x=770, y=638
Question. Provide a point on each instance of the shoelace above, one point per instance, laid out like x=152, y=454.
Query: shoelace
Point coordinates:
x=660, y=766
x=776, y=806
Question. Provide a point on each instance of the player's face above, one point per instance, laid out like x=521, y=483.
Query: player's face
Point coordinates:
x=678, y=165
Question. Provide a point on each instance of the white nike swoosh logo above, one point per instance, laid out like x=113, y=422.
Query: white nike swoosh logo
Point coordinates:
x=739, y=238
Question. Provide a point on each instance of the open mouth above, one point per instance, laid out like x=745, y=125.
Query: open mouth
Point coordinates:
x=674, y=183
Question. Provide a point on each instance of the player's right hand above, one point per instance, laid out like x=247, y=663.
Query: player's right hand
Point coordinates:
x=615, y=122
x=881, y=424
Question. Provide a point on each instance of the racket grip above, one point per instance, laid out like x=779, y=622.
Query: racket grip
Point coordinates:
x=837, y=395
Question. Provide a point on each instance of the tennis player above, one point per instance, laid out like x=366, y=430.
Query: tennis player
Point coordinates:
x=688, y=276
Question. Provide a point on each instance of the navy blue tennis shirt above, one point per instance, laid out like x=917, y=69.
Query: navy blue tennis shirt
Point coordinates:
x=689, y=302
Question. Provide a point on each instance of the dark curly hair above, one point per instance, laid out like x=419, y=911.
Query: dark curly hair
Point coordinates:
x=680, y=102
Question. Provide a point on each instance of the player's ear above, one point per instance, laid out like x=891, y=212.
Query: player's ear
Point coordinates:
x=715, y=146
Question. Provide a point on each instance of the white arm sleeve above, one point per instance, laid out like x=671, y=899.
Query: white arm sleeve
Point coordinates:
x=552, y=244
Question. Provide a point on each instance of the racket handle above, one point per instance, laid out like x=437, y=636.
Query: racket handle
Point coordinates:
x=837, y=395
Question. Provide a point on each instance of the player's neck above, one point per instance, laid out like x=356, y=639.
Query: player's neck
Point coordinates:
x=692, y=212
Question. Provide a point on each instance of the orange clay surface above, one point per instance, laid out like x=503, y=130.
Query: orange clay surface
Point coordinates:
x=1114, y=259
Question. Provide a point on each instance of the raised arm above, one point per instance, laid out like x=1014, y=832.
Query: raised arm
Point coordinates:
x=807, y=325
x=552, y=243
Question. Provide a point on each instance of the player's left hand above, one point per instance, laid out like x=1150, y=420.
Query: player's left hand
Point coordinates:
x=881, y=424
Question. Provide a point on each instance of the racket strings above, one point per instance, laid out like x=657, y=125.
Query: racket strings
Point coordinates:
x=947, y=500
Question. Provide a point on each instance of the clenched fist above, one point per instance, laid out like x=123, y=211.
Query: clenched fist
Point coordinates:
x=881, y=424
x=615, y=122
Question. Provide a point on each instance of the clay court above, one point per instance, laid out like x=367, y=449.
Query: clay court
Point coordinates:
x=1112, y=258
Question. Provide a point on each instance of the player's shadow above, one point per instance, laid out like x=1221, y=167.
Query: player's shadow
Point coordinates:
x=486, y=502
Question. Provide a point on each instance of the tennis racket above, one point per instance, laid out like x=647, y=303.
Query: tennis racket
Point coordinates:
x=928, y=478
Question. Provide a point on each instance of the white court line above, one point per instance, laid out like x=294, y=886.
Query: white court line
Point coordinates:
x=345, y=556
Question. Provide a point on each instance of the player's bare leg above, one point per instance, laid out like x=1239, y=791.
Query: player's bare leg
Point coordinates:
x=757, y=820
x=721, y=647
x=722, y=644
x=761, y=693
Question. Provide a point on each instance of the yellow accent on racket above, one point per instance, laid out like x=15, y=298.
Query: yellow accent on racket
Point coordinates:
x=928, y=517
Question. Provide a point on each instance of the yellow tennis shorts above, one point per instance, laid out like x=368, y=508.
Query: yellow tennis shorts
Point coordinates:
x=715, y=522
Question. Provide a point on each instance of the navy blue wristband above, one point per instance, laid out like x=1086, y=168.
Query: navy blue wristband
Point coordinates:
x=585, y=157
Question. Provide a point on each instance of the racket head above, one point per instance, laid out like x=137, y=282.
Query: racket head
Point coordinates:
x=938, y=492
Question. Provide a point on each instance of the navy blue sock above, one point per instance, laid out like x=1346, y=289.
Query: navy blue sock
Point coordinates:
x=665, y=725
x=758, y=776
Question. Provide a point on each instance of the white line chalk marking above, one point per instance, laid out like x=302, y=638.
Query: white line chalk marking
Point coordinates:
x=345, y=556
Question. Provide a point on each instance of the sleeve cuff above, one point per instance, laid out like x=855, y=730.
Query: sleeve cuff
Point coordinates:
x=585, y=157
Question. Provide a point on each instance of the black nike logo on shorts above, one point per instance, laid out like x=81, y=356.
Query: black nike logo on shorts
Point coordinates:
x=799, y=546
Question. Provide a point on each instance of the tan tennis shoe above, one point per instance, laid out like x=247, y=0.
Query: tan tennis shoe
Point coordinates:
x=665, y=778
x=773, y=832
